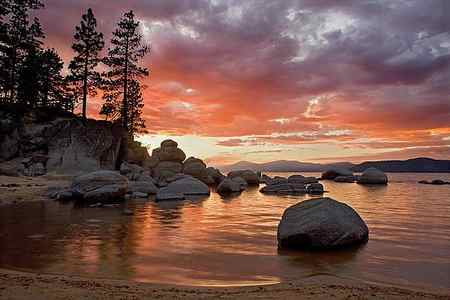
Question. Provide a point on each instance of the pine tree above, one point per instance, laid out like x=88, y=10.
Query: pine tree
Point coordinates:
x=19, y=38
x=88, y=43
x=40, y=80
x=122, y=88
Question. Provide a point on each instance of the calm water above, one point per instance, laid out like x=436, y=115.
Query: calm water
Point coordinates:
x=215, y=241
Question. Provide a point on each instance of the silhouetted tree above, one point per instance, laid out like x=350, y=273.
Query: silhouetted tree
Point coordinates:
x=40, y=82
x=123, y=58
x=19, y=37
x=88, y=44
x=124, y=72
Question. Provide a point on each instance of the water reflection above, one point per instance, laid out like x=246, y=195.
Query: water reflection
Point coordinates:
x=232, y=240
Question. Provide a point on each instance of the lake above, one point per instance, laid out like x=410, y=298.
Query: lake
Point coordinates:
x=218, y=241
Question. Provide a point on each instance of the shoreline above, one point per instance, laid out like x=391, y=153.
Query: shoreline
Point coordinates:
x=27, y=285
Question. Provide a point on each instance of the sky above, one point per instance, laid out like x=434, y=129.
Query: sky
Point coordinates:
x=307, y=80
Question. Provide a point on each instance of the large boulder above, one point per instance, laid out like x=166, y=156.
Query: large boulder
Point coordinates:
x=166, y=169
x=169, y=151
x=248, y=175
x=320, y=224
x=186, y=186
x=100, y=186
x=373, y=176
x=151, y=162
x=334, y=172
x=137, y=153
x=196, y=168
x=215, y=175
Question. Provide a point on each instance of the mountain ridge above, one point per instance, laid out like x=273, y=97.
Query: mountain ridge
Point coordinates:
x=419, y=164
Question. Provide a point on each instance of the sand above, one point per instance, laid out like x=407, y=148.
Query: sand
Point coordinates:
x=24, y=285
x=20, y=285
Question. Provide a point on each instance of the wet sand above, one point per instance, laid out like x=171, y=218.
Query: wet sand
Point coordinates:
x=27, y=189
x=20, y=285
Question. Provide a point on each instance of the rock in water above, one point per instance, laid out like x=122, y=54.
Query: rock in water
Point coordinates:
x=146, y=187
x=373, y=176
x=315, y=188
x=320, y=224
x=100, y=186
x=229, y=186
x=185, y=186
x=348, y=179
x=248, y=175
x=334, y=172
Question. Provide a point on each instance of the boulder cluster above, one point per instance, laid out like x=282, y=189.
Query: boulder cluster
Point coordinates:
x=369, y=176
x=293, y=185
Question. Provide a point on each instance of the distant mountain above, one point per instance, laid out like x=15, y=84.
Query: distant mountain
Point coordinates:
x=282, y=166
x=414, y=165
x=410, y=165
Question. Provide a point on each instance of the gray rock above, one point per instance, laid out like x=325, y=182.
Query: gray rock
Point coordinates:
x=242, y=183
x=265, y=179
x=169, y=143
x=314, y=188
x=320, y=224
x=302, y=179
x=167, y=196
x=146, y=187
x=348, y=179
x=151, y=162
x=215, y=174
x=186, y=186
x=334, y=172
x=100, y=186
x=284, y=188
x=169, y=152
x=248, y=175
x=64, y=196
x=139, y=195
x=229, y=186
x=166, y=169
x=131, y=171
x=373, y=176
x=196, y=168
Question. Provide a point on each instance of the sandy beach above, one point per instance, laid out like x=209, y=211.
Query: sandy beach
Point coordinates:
x=20, y=285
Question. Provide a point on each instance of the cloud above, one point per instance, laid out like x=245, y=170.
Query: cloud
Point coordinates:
x=276, y=70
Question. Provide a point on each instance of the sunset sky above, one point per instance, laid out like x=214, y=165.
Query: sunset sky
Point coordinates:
x=311, y=80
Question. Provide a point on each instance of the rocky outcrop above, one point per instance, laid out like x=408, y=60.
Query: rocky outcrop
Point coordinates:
x=100, y=186
x=373, y=176
x=248, y=175
x=184, y=186
x=334, y=172
x=215, y=174
x=71, y=145
x=315, y=188
x=320, y=224
x=197, y=169
x=284, y=189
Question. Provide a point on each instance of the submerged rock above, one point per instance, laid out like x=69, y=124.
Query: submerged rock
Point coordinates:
x=373, y=176
x=320, y=224
x=100, y=186
x=284, y=188
x=302, y=179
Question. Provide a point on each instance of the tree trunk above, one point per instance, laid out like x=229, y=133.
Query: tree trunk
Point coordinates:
x=85, y=87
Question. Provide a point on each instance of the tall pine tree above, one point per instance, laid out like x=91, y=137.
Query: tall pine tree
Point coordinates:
x=40, y=80
x=88, y=43
x=19, y=37
x=122, y=88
